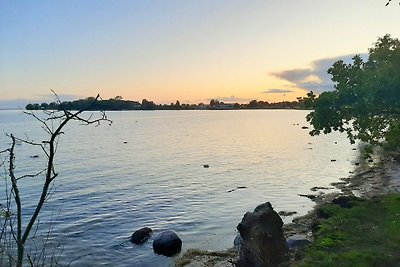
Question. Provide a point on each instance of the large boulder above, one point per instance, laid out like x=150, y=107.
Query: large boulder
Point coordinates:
x=140, y=236
x=263, y=242
x=167, y=243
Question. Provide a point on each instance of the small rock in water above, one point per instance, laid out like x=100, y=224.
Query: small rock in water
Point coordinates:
x=140, y=236
x=297, y=241
x=206, y=166
x=333, y=160
x=308, y=196
x=357, y=163
x=344, y=201
x=167, y=243
x=315, y=188
x=34, y=156
x=125, y=142
x=304, y=127
x=239, y=187
x=237, y=243
x=287, y=213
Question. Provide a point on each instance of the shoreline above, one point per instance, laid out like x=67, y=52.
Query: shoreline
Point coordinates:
x=378, y=175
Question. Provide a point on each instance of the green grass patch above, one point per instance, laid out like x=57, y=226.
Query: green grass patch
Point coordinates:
x=366, y=234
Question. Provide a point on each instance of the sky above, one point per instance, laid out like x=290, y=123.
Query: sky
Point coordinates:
x=186, y=50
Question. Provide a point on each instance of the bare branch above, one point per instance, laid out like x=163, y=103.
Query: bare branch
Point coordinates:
x=53, y=123
x=31, y=175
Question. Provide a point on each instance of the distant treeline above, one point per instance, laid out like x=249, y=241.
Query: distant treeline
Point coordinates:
x=117, y=103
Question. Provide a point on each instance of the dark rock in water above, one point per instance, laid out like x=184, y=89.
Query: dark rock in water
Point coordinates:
x=34, y=156
x=125, y=142
x=206, y=166
x=239, y=187
x=344, y=201
x=316, y=188
x=357, y=163
x=304, y=127
x=333, y=160
x=237, y=243
x=287, y=213
x=297, y=241
x=140, y=236
x=354, y=148
x=167, y=243
x=263, y=241
x=308, y=196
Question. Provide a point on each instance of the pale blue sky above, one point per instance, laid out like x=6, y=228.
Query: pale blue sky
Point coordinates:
x=190, y=50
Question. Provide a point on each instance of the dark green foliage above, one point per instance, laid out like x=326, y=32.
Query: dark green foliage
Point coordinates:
x=367, y=234
x=366, y=101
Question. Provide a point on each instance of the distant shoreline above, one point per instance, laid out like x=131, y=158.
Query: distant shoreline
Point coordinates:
x=118, y=104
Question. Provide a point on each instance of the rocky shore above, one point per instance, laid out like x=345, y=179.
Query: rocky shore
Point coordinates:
x=374, y=176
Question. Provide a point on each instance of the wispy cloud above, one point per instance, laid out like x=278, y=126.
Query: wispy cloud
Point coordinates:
x=14, y=103
x=21, y=103
x=62, y=97
x=277, y=91
x=315, y=78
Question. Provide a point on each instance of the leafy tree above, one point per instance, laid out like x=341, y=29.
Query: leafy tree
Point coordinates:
x=366, y=101
x=214, y=102
x=148, y=105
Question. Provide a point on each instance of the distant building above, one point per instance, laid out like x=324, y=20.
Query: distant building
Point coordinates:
x=223, y=106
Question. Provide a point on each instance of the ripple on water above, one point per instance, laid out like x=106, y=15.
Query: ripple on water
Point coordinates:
x=107, y=189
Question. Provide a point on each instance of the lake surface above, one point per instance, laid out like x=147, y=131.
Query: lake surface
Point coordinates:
x=107, y=189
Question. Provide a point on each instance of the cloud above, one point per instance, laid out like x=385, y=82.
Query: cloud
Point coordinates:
x=52, y=98
x=277, y=91
x=14, y=103
x=315, y=78
x=21, y=103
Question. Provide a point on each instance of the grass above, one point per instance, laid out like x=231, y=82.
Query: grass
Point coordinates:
x=367, y=234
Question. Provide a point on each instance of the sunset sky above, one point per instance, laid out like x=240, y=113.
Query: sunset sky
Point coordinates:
x=187, y=50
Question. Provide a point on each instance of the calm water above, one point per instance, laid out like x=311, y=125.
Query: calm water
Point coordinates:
x=107, y=189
